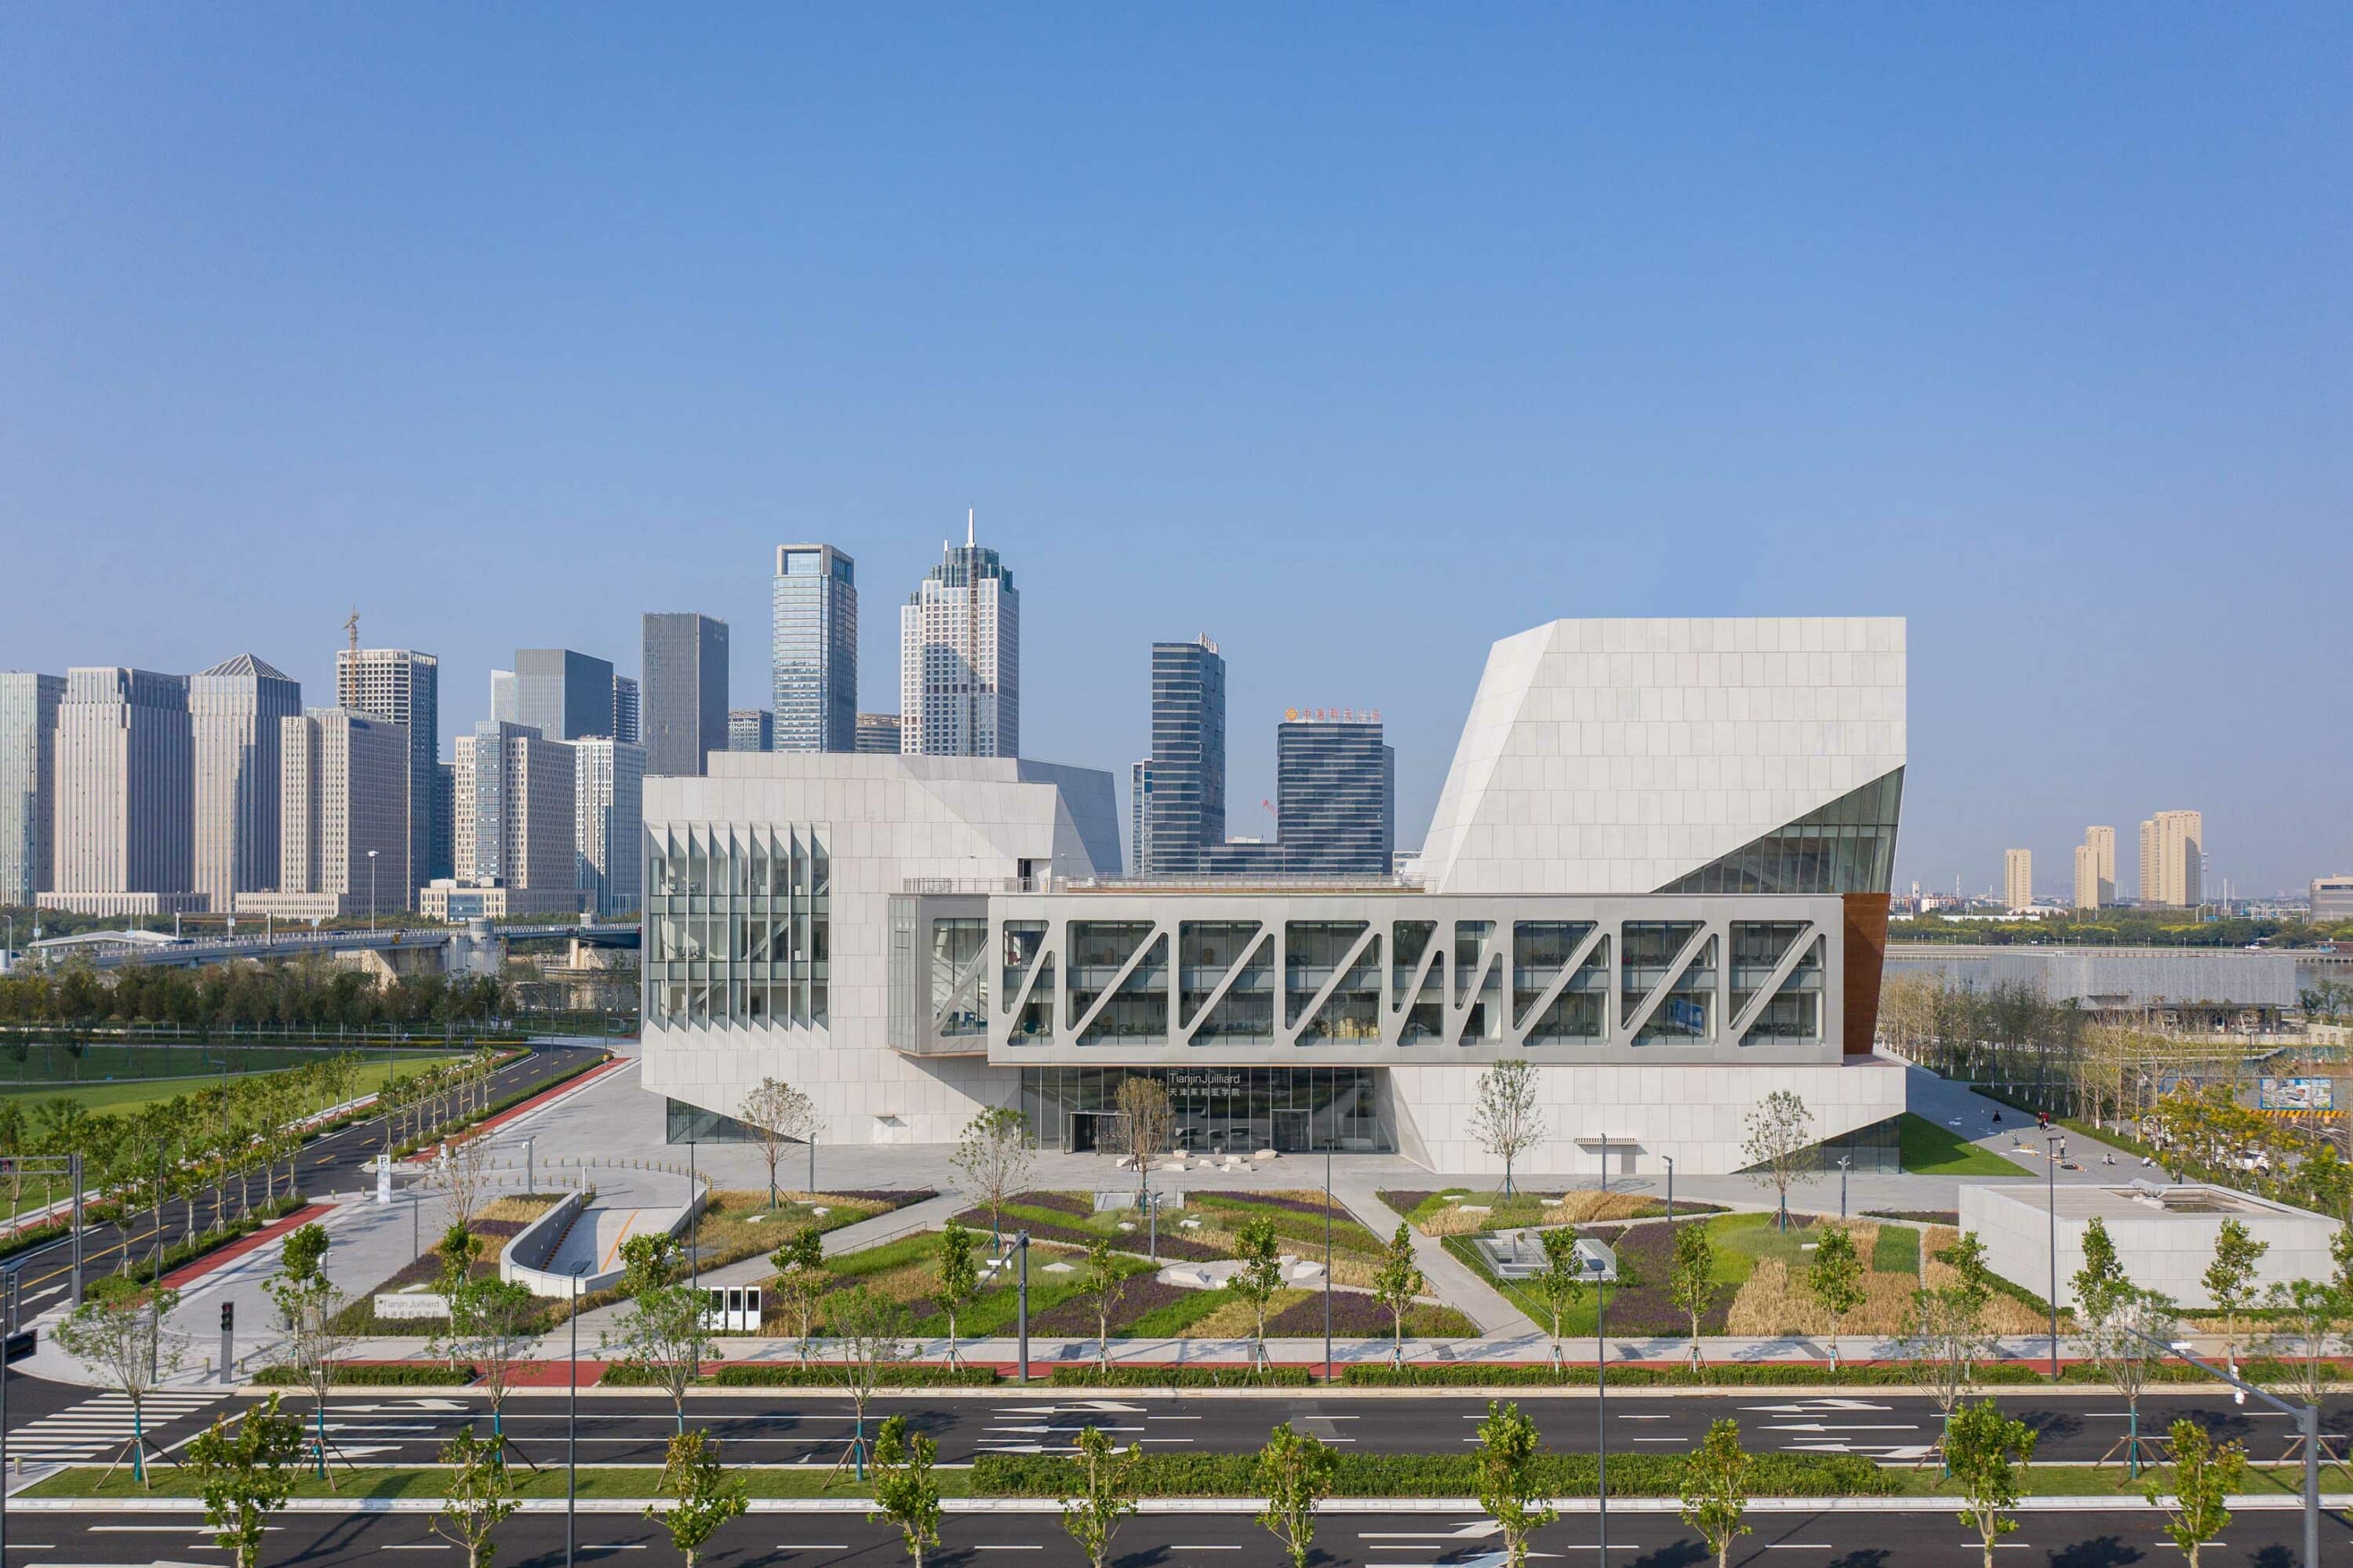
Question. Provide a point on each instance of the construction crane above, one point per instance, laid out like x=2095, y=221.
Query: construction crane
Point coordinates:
x=352, y=627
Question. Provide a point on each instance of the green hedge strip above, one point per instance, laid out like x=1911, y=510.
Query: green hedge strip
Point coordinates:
x=404, y=1375
x=1178, y=1377
x=1436, y=1475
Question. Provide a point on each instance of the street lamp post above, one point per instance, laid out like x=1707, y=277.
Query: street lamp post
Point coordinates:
x=1021, y=1242
x=1601, y=1409
x=1327, y=1263
x=572, y=1430
x=1845, y=1160
x=694, y=1268
x=1671, y=1190
x=2050, y=1200
x=371, y=892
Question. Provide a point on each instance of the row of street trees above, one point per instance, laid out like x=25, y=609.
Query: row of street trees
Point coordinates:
x=302, y=993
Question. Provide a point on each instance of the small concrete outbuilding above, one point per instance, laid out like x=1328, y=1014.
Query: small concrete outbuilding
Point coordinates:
x=2164, y=1234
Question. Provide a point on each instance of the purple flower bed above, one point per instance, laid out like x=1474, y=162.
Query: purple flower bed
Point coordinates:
x=1173, y=1249
x=1354, y=1316
x=1076, y=1315
x=1646, y=1256
x=1268, y=1201
x=1059, y=1203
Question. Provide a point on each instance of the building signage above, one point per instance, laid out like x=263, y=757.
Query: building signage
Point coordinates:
x=412, y=1304
x=2296, y=1094
x=1204, y=1078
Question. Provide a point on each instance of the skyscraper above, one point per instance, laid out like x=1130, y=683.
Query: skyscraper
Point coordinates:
x=960, y=658
x=1334, y=792
x=506, y=699
x=344, y=785
x=443, y=842
x=2173, y=860
x=686, y=692
x=1180, y=790
x=813, y=664
x=517, y=814
x=125, y=839
x=2018, y=879
x=562, y=694
x=29, y=783
x=235, y=711
x=608, y=823
x=2095, y=869
x=877, y=735
x=401, y=686
x=625, y=713
x=751, y=729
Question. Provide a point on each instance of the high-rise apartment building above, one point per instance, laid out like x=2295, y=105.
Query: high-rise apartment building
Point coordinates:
x=877, y=735
x=506, y=698
x=1179, y=792
x=563, y=695
x=401, y=686
x=753, y=730
x=812, y=668
x=344, y=841
x=443, y=845
x=517, y=812
x=627, y=712
x=235, y=712
x=125, y=829
x=29, y=783
x=2173, y=860
x=960, y=658
x=2332, y=900
x=2095, y=869
x=2087, y=878
x=686, y=692
x=608, y=823
x=2018, y=879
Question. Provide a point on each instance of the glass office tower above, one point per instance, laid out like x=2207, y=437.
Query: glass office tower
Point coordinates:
x=1180, y=792
x=683, y=704
x=814, y=655
x=1334, y=793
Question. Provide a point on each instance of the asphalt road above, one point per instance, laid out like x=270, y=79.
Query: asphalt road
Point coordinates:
x=810, y=1540
x=795, y=1426
x=47, y=1271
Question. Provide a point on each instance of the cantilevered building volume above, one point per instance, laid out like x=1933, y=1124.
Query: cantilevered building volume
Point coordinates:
x=1658, y=872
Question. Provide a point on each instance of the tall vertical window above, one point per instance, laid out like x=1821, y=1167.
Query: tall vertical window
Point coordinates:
x=737, y=928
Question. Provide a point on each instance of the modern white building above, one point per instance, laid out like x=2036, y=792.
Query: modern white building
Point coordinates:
x=236, y=710
x=608, y=780
x=343, y=839
x=1658, y=873
x=125, y=797
x=29, y=783
x=959, y=659
x=2164, y=1234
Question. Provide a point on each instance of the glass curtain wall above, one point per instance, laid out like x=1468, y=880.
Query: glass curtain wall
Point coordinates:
x=1242, y=1109
x=738, y=925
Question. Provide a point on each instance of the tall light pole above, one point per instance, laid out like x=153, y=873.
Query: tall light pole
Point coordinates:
x=1021, y=1242
x=1601, y=1408
x=371, y=892
x=1671, y=1190
x=572, y=1430
x=2051, y=1198
x=1327, y=1262
x=1844, y=1161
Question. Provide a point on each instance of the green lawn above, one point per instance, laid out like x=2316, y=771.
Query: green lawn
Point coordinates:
x=130, y=1096
x=1933, y=1150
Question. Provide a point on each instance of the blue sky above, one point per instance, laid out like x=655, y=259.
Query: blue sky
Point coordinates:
x=1357, y=338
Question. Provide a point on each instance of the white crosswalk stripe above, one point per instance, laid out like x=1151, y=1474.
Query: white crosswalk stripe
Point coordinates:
x=99, y=1427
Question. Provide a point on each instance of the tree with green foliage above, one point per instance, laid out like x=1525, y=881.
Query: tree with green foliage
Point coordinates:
x=1560, y=1286
x=959, y=1276
x=870, y=1330
x=1511, y=1490
x=2127, y=1343
x=2340, y=1253
x=1396, y=1284
x=2229, y=1279
x=1294, y=1474
x=1106, y=1495
x=663, y=1331
x=496, y=1322
x=121, y=1337
x=245, y=1472
x=1716, y=1488
x=303, y=1253
x=2204, y=1476
x=1256, y=1279
x=1985, y=1450
x=802, y=1280
x=1103, y=1285
x=2306, y=1315
x=703, y=1496
x=1835, y=1279
x=993, y=1158
x=1691, y=1279
x=460, y=1249
x=2100, y=1285
x=308, y=1305
x=649, y=1261
x=906, y=1492
x=478, y=1496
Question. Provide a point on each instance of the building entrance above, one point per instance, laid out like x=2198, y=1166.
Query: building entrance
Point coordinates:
x=1218, y=1110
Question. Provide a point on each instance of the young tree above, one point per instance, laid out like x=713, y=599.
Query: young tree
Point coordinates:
x=780, y=1116
x=479, y=1496
x=649, y=1261
x=906, y=1492
x=2306, y=1317
x=1835, y=1279
x=1106, y=1495
x=870, y=1330
x=1779, y=1146
x=1104, y=1285
x=2229, y=1279
x=663, y=1331
x=802, y=1280
x=1396, y=1284
x=1258, y=1278
x=308, y=1305
x=1966, y=1258
x=1510, y=1489
x=959, y=1276
x=1560, y=1286
x=1507, y=1119
x=245, y=1474
x=1691, y=1279
x=460, y=1249
x=2100, y=1284
x=1716, y=1488
x=1147, y=1124
x=1945, y=1335
x=1294, y=1473
x=2125, y=1341
x=465, y=1170
x=994, y=1159
x=702, y=1497
x=495, y=1322
x=2203, y=1479
x=1984, y=1451
x=120, y=1337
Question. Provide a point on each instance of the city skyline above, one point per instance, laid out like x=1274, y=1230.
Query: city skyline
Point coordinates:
x=1604, y=315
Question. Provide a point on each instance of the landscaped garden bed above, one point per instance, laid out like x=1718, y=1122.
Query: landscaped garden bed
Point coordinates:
x=1464, y=1211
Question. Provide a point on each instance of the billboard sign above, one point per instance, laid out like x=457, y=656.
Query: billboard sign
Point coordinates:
x=2296, y=1094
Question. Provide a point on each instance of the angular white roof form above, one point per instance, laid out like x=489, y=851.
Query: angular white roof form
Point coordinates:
x=1617, y=756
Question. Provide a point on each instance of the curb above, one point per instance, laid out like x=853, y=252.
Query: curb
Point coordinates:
x=2333, y=1502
